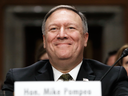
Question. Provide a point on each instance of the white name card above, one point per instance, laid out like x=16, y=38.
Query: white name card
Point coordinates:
x=51, y=88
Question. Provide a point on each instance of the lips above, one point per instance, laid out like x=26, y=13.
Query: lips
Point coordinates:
x=62, y=44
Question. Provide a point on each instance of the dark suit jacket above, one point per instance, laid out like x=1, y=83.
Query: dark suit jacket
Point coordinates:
x=114, y=84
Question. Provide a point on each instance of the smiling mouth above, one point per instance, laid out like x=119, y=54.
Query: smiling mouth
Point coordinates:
x=63, y=44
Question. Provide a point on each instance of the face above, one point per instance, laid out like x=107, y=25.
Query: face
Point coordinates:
x=111, y=60
x=64, y=38
x=125, y=63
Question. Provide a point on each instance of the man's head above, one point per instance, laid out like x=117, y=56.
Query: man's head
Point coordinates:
x=65, y=36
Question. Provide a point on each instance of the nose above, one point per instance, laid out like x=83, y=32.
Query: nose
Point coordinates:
x=62, y=34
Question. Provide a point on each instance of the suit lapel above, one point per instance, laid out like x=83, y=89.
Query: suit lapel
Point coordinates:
x=85, y=72
x=45, y=73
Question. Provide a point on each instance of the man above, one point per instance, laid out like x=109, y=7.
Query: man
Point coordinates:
x=65, y=34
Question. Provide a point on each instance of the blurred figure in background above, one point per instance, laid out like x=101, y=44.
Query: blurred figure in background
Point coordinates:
x=111, y=58
x=41, y=53
x=124, y=61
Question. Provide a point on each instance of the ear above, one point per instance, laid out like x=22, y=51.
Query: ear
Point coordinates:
x=44, y=41
x=86, y=35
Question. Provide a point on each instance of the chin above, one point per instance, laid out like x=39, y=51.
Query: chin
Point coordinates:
x=64, y=57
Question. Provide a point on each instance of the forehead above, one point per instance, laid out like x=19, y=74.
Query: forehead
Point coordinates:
x=125, y=58
x=63, y=12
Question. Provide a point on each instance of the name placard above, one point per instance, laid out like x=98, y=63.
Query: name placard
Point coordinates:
x=51, y=88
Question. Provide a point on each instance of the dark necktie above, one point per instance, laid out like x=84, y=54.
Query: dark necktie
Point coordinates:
x=66, y=77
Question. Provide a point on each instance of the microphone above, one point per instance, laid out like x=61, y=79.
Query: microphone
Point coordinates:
x=125, y=53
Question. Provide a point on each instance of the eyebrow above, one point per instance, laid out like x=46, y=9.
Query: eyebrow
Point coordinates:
x=55, y=24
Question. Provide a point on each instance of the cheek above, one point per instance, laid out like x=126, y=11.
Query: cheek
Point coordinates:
x=76, y=36
x=50, y=37
x=126, y=67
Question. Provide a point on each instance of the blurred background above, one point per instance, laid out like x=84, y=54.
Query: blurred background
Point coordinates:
x=20, y=29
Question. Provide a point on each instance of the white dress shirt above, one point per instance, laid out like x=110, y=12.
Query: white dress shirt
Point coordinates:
x=73, y=72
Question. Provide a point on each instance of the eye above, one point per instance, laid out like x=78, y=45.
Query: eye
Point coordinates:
x=127, y=62
x=53, y=28
x=71, y=28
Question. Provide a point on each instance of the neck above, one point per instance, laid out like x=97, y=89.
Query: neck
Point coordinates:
x=65, y=66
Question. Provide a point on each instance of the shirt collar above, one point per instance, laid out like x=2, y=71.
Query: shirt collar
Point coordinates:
x=73, y=72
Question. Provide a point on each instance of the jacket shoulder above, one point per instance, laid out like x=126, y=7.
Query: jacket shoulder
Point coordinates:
x=29, y=71
x=100, y=68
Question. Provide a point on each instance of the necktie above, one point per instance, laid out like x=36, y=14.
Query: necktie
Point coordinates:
x=66, y=77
